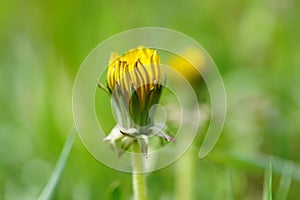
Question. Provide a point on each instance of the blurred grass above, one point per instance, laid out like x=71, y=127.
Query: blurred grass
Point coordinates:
x=285, y=182
x=254, y=43
x=267, y=188
x=50, y=187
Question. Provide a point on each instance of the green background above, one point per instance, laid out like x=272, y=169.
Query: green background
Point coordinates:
x=255, y=45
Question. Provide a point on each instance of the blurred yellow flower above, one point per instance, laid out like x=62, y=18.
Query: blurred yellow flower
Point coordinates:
x=184, y=67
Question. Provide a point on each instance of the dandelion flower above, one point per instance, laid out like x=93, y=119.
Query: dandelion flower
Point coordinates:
x=135, y=82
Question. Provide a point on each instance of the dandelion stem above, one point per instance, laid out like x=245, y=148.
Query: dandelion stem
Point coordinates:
x=138, y=177
x=184, y=176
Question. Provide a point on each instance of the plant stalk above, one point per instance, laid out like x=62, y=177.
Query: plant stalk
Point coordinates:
x=138, y=176
x=184, y=176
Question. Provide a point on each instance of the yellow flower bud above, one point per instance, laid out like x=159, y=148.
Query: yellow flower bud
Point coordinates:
x=134, y=79
x=135, y=82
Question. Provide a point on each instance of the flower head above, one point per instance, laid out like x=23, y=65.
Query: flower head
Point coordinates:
x=135, y=82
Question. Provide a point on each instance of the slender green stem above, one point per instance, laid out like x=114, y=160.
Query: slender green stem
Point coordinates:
x=184, y=176
x=229, y=183
x=138, y=177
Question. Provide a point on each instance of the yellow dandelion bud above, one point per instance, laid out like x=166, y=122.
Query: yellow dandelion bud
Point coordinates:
x=135, y=82
x=134, y=79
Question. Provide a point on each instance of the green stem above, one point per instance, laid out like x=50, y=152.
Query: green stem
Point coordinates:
x=184, y=176
x=138, y=177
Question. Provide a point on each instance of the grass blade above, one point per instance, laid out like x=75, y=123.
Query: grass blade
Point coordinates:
x=267, y=191
x=56, y=174
x=255, y=161
x=285, y=182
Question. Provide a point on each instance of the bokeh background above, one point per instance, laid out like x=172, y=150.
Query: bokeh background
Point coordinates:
x=254, y=43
